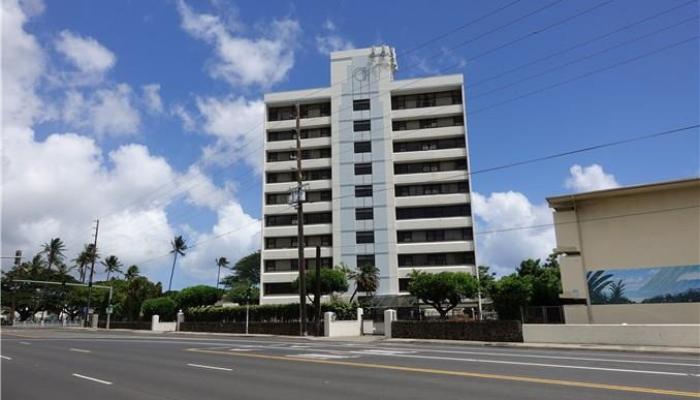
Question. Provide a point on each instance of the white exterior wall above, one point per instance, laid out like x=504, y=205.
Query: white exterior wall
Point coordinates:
x=674, y=335
x=356, y=75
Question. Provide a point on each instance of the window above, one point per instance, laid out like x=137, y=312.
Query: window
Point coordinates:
x=427, y=123
x=279, y=288
x=364, y=213
x=363, y=191
x=315, y=110
x=403, y=284
x=293, y=264
x=433, y=99
x=365, y=260
x=363, y=147
x=315, y=133
x=461, y=210
x=282, y=135
x=291, y=219
x=359, y=105
x=308, y=175
x=423, y=167
x=436, y=259
x=290, y=242
x=432, y=188
x=425, y=145
x=363, y=169
x=364, y=237
x=361, y=126
x=281, y=113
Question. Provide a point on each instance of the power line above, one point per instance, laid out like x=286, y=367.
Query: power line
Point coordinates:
x=586, y=57
x=578, y=77
x=580, y=44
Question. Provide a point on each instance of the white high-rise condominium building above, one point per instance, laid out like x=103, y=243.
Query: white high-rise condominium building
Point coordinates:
x=385, y=163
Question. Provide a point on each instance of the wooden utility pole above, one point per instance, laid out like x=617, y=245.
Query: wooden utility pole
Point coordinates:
x=92, y=272
x=317, y=292
x=300, y=231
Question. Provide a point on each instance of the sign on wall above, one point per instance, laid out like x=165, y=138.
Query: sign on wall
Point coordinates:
x=645, y=285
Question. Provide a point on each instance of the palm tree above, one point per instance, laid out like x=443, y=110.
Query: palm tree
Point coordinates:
x=54, y=251
x=366, y=279
x=617, y=293
x=112, y=265
x=35, y=266
x=81, y=262
x=178, y=246
x=221, y=262
x=131, y=272
x=597, y=282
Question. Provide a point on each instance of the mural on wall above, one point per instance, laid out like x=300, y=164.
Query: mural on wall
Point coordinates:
x=645, y=285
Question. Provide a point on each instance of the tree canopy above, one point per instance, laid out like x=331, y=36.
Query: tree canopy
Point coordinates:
x=442, y=291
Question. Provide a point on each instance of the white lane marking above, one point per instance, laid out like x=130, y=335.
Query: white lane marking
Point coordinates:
x=477, y=360
x=79, y=350
x=240, y=350
x=216, y=341
x=320, y=356
x=25, y=343
x=6, y=358
x=209, y=367
x=89, y=378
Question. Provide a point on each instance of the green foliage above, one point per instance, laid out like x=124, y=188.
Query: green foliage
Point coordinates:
x=246, y=269
x=442, y=291
x=266, y=313
x=509, y=294
x=366, y=279
x=486, y=280
x=243, y=293
x=53, y=250
x=332, y=280
x=112, y=265
x=197, y=296
x=164, y=307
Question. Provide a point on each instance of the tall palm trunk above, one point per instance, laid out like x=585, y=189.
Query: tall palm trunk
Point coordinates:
x=172, y=271
x=218, y=277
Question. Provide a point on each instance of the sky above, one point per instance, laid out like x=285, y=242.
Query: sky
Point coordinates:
x=148, y=115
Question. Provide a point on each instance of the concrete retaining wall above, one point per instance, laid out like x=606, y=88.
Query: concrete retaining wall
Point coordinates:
x=676, y=335
x=335, y=328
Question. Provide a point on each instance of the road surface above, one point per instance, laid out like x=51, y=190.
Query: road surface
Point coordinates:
x=79, y=364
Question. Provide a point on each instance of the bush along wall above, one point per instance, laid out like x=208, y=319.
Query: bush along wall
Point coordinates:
x=484, y=331
x=266, y=313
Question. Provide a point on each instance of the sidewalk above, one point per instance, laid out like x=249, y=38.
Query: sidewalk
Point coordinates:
x=381, y=339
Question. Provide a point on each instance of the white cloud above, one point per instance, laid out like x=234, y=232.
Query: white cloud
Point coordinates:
x=501, y=247
x=261, y=61
x=331, y=41
x=151, y=98
x=238, y=125
x=55, y=187
x=188, y=121
x=592, y=177
x=234, y=235
x=108, y=111
x=85, y=53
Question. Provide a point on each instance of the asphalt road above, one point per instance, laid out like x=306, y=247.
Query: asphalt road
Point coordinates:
x=62, y=364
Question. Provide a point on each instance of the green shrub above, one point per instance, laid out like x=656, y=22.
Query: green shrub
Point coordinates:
x=197, y=296
x=267, y=312
x=490, y=331
x=164, y=307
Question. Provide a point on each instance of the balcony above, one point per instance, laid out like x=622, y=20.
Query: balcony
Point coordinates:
x=291, y=165
x=303, y=123
x=291, y=230
x=432, y=200
x=292, y=144
x=430, y=155
x=435, y=247
x=428, y=133
x=433, y=223
x=427, y=112
x=431, y=177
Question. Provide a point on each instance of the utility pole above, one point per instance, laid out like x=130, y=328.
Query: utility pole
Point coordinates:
x=300, y=231
x=317, y=292
x=92, y=271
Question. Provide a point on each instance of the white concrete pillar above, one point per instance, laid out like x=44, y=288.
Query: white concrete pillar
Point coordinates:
x=180, y=319
x=328, y=319
x=154, y=322
x=360, y=312
x=95, y=319
x=389, y=317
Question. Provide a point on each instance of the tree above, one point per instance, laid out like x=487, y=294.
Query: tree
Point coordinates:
x=509, y=294
x=243, y=293
x=442, y=291
x=112, y=265
x=178, y=247
x=598, y=281
x=246, y=269
x=53, y=249
x=486, y=280
x=617, y=293
x=164, y=307
x=332, y=280
x=196, y=296
x=366, y=279
x=221, y=262
x=131, y=272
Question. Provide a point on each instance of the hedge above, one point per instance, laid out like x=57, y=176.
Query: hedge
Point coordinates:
x=164, y=307
x=270, y=328
x=487, y=331
x=266, y=313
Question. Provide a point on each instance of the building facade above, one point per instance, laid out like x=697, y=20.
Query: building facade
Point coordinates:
x=385, y=166
x=630, y=255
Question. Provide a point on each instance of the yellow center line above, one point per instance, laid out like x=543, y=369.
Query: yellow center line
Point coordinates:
x=513, y=378
x=16, y=335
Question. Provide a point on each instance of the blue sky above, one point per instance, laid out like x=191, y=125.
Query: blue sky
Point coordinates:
x=208, y=64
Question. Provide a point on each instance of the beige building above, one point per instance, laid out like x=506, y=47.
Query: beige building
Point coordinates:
x=630, y=255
